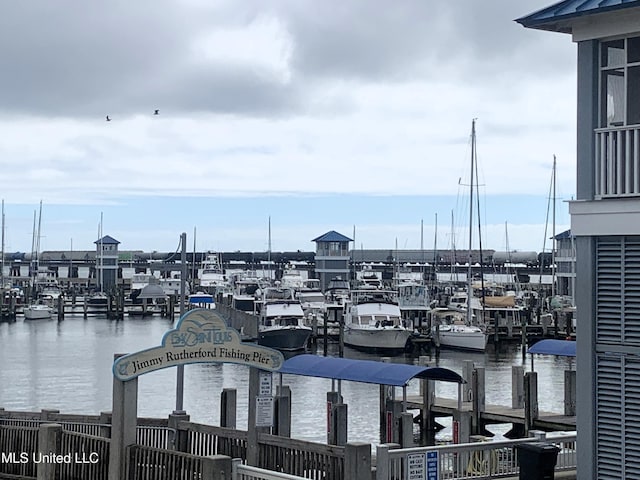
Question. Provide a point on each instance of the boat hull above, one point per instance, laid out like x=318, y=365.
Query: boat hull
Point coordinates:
x=37, y=313
x=377, y=339
x=287, y=338
x=461, y=340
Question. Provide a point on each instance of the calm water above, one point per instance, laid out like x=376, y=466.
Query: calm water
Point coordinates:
x=67, y=366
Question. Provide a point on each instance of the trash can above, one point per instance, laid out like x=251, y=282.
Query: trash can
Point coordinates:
x=537, y=460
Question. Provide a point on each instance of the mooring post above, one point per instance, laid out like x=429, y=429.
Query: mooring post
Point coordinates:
x=325, y=333
x=427, y=390
x=357, y=461
x=570, y=392
x=60, y=307
x=282, y=421
x=180, y=436
x=123, y=424
x=339, y=427
x=46, y=413
x=217, y=467
x=105, y=424
x=517, y=386
x=228, y=406
x=406, y=430
x=467, y=386
x=49, y=441
x=530, y=399
x=253, y=430
x=478, y=377
x=333, y=398
x=383, y=461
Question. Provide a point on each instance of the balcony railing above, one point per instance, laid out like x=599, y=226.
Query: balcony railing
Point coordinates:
x=617, y=166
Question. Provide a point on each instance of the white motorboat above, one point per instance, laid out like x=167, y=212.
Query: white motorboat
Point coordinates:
x=373, y=321
x=201, y=300
x=38, y=311
x=281, y=320
x=246, y=290
x=140, y=280
x=449, y=330
x=313, y=302
x=212, y=275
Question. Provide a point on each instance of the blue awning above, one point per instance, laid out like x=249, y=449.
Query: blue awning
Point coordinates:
x=365, y=371
x=201, y=299
x=565, y=348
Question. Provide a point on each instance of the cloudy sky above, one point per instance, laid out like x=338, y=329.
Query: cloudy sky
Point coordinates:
x=312, y=115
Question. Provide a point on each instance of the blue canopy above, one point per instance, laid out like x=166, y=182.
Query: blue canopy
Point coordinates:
x=365, y=371
x=565, y=348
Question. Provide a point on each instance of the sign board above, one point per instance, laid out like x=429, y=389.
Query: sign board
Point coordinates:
x=264, y=411
x=416, y=466
x=200, y=336
x=432, y=465
x=265, y=389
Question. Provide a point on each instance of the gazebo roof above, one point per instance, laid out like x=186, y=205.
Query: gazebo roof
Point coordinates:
x=332, y=236
x=107, y=240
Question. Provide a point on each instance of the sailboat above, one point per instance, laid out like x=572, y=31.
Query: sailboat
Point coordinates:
x=99, y=298
x=39, y=308
x=450, y=328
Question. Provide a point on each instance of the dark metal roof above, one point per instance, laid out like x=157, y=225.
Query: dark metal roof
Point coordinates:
x=559, y=16
x=365, y=371
x=107, y=240
x=564, y=348
x=564, y=235
x=332, y=236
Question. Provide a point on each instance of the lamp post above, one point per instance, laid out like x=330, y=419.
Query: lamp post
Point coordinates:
x=183, y=278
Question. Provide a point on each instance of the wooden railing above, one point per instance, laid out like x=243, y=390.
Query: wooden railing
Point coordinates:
x=205, y=440
x=617, y=162
x=152, y=463
x=16, y=441
x=90, y=456
x=302, y=458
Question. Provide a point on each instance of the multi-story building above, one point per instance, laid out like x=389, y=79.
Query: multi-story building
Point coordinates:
x=605, y=221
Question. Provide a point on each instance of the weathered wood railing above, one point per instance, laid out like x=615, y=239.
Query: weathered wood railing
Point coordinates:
x=207, y=440
x=90, y=456
x=16, y=441
x=302, y=458
x=152, y=463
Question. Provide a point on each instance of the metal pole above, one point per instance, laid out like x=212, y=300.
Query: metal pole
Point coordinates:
x=183, y=278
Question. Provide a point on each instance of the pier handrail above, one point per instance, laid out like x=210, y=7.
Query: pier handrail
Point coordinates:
x=487, y=459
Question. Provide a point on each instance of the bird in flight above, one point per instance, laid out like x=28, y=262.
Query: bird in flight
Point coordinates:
x=108, y=119
x=156, y=112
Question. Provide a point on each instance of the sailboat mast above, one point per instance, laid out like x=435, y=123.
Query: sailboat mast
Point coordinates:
x=553, y=233
x=469, y=270
x=39, y=226
x=454, y=256
x=193, y=262
x=2, y=260
x=269, y=252
x=101, y=256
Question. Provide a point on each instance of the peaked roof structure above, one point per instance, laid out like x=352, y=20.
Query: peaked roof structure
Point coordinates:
x=332, y=236
x=107, y=240
x=559, y=16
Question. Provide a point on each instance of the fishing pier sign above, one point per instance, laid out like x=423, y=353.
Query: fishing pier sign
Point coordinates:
x=200, y=336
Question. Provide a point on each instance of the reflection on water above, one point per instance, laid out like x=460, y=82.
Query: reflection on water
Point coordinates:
x=67, y=366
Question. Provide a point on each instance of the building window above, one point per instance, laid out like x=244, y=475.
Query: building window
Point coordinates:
x=620, y=82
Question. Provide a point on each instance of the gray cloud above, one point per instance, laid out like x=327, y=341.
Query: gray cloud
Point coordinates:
x=73, y=58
